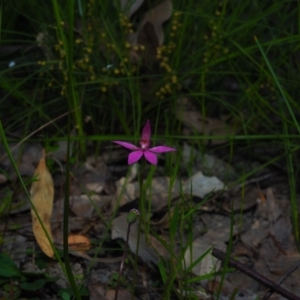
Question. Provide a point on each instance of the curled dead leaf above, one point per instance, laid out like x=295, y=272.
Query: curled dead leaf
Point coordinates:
x=188, y=114
x=164, y=222
x=150, y=32
x=79, y=243
x=130, y=7
x=42, y=194
x=119, y=230
x=158, y=15
x=200, y=185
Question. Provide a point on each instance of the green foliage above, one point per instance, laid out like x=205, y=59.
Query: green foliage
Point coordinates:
x=5, y=204
x=83, y=53
x=26, y=281
x=8, y=267
x=68, y=293
x=113, y=282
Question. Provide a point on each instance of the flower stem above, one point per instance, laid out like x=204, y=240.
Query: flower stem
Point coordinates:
x=131, y=218
x=142, y=190
x=142, y=211
x=122, y=261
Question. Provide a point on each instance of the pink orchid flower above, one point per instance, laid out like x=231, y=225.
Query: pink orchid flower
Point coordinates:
x=149, y=153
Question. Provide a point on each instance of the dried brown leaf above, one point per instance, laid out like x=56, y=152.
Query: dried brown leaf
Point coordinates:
x=208, y=164
x=119, y=230
x=122, y=295
x=243, y=199
x=130, y=7
x=78, y=243
x=164, y=222
x=148, y=38
x=97, y=290
x=151, y=26
x=159, y=192
x=126, y=192
x=200, y=185
x=159, y=247
x=87, y=206
x=42, y=194
x=3, y=179
x=193, y=120
x=209, y=263
x=157, y=16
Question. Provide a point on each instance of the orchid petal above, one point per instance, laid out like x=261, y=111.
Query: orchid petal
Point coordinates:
x=151, y=157
x=127, y=145
x=134, y=156
x=161, y=149
x=146, y=133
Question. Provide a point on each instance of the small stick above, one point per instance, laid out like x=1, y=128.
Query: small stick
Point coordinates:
x=256, y=276
x=281, y=280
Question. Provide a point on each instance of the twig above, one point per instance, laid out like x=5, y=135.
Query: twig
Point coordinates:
x=281, y=280
x=256, y=276
x=252, y=180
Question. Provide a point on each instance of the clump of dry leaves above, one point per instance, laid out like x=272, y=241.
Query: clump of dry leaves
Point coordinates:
x=263, y=235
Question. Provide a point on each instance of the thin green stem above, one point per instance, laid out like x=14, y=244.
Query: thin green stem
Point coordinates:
x=282, y=91
x=142, y=211
x=66, y=222
x=123, y=260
